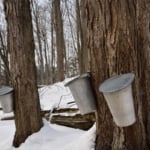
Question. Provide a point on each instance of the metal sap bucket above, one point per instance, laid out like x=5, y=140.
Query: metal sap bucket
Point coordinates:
x=118, y=94
x=6, y=99
x=82, y=92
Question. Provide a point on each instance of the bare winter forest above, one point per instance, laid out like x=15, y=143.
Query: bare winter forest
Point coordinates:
x=46, y=41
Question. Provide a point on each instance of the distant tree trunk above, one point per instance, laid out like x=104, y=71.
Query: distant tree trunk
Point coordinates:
x=36, y=13
x=71, y=44
x=1, y=74
x=59, y=40
x=118, y=41
x=47, y=65
x=4, y=56
x=21, y=44
x=53, y=57
x=81, y=37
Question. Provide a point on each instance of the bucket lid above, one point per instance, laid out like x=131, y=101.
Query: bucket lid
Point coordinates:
x=76, y=78
x=5, y=90
x=116, y=83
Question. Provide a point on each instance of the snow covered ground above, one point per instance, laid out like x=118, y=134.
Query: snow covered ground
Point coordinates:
x=56, y=95
x=50, y=137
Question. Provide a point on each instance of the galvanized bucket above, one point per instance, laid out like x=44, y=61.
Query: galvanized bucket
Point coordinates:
x=6, y=99
x=82, y=92
x=118, y=94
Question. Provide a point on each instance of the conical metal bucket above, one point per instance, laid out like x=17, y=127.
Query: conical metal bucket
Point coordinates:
x=6, y=99
x=82, y=92
x=118, y=94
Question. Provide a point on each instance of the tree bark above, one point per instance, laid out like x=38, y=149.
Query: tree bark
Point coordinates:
x=53, y=55
x=36, y=12
x=21, y=45
x=47, y=64
x=81, y=37
x=59, y=40
x=118, y=42
x=4, y=54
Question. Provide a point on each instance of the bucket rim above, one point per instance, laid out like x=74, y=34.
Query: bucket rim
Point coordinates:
x=85, y=75
x=116, y=83
x=6, y=90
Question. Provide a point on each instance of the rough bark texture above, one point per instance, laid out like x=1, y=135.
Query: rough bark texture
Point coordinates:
x=21, y=46
x=59, y=40
x=118, y=41
x=81, y=37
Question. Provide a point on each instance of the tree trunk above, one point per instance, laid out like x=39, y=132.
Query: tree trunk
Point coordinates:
x=81, y=37
x=72, y=71
x=118, y=42
x=4, y=54
x=59, y=40
x=85, y=55
x=36, y=12
x=21, y=45
x=53, y=57
x=47, y=64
